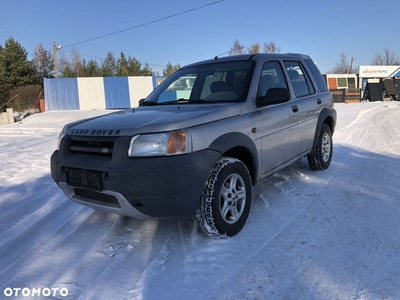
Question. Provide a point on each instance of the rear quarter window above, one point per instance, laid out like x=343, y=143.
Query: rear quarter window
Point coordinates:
x=317, y=75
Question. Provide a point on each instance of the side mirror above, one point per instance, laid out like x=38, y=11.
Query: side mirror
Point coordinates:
x=273, y=96
x=141, y=101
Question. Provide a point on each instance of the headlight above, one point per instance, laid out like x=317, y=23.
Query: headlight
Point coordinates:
x=160, y=144
x=60, y=137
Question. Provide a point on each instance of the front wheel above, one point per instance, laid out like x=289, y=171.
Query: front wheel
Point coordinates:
x=320, y=158
x=226, y=200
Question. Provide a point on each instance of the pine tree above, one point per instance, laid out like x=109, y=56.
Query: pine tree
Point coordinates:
x=92, y=69
x=109, y=65
x=122, y=66
x=15, y=69
x=169, y=69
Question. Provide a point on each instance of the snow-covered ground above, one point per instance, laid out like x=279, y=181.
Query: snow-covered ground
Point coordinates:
x=331, y=234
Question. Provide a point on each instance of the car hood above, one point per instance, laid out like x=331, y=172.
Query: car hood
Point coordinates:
x=153, y=119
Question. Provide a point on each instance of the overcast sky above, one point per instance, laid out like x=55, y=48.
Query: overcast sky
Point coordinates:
x=180, y=31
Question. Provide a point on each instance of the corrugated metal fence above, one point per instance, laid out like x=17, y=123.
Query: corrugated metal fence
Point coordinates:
x=86, y=93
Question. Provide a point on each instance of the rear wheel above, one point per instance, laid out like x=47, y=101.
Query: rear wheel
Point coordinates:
x=320, y=158
x=226, y=200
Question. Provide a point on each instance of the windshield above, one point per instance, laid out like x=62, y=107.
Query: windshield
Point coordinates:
x=215, y=82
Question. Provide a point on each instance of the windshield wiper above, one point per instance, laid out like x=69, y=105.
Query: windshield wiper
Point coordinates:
x=186, y=101
x=200, y=101
x=148, y=103
x=178, y=101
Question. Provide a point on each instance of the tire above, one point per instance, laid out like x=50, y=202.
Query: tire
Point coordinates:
x=320, y=158
x=226, y=200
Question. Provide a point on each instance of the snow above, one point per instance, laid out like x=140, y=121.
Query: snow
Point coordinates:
x=330, y=234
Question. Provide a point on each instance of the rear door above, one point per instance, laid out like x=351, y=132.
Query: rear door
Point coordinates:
x=307, y=102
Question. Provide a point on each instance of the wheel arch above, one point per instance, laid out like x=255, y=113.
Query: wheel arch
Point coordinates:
x=240, y=146
x=326, y=116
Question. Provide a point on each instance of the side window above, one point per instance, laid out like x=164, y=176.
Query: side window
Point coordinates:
x=271, y=77
x=317, y=75
x=301, y=81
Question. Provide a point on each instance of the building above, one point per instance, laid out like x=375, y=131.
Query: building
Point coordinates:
x=87, y=93
x=379, y=82
x=344, y=87
x=372, y=83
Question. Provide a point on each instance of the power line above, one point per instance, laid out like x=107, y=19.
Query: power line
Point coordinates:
x=81, y=54
x=144, y=24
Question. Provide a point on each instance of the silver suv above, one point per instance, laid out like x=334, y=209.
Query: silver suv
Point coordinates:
x=200, y=141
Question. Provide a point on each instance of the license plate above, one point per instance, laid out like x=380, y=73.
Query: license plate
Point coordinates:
x=84, y=179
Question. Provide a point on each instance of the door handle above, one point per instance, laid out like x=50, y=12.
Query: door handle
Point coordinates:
x=319, y=101
x=295, y=108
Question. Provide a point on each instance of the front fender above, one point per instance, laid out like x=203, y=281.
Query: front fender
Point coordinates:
x=240, y=146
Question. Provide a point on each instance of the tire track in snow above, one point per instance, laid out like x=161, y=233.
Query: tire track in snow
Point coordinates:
x=32, y=231
x=20, y=202
x=107, y=252
x=53, y=245
x=30, y=223
x=148, y=258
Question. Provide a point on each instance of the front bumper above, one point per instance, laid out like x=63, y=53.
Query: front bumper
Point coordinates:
x=151, y=186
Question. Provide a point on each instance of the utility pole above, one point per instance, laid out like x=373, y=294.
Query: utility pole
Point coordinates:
x=55, y=59
x=351, y=65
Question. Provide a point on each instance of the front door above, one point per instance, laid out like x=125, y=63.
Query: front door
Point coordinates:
x=278, y=125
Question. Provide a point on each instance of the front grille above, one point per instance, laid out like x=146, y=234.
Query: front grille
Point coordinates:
x=93, y=195
x=96, y=146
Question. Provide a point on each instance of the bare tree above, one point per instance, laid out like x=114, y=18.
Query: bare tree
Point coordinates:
x=43, y=62
x=271, y=47
x=78, y=64
x=66, y=67
x=237, y=48
x=343, y=67
x=76, y=68
x=254, y=48
x=386, y=58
